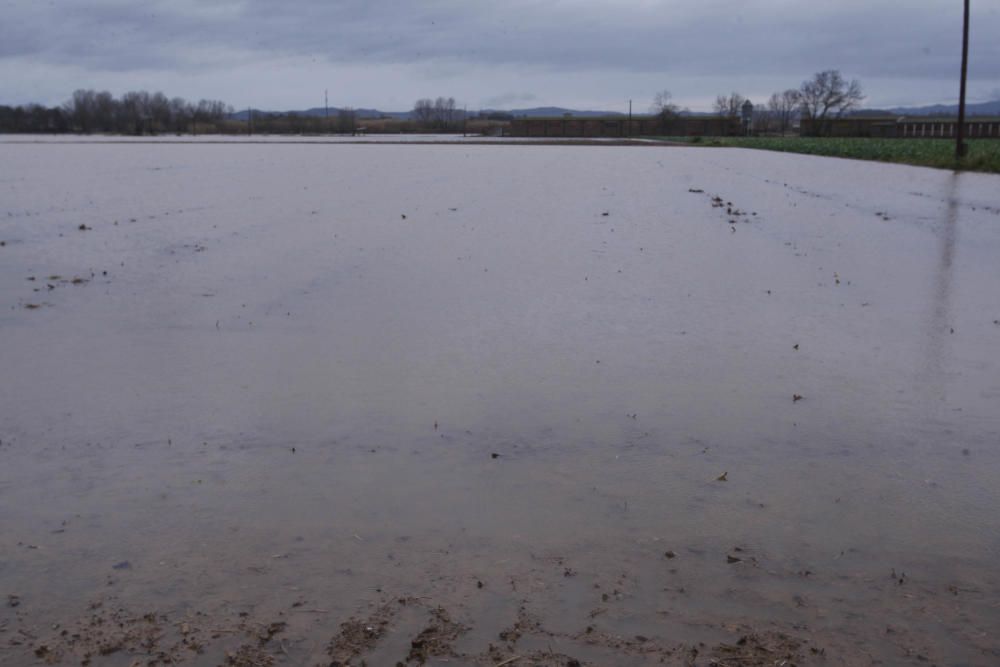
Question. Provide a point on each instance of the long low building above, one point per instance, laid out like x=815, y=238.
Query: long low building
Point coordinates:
x=905, y=127
x=887, y=127
x=975, y=128
x=622, y=126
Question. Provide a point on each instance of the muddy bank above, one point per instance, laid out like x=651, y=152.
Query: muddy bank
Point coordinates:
x=403, y=631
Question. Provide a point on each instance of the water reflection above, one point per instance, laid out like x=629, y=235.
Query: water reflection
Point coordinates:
x=940, y=327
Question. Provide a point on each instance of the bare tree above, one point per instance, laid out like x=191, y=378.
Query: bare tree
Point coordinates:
x=444, y=112
x=199, y=114
x=213, y=112
x=729, y=106
x=105, y=110
x=82, y=110
x=133, y=112
x=136, y=112
x=423, y=111
x=826, y=94
x=440, y=114
x=782, y=108
x=762, y=120
x=40, y=119
x=180, y=114
x=663, y=104
x=159, y=111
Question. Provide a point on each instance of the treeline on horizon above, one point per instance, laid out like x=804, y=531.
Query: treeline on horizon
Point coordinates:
x=136, y=112
x=142, y=113
x=825, y=96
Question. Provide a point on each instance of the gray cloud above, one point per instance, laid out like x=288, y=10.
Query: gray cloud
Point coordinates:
x=482, y=48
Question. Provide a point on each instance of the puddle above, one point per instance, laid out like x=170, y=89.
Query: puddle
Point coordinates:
x=473, y=434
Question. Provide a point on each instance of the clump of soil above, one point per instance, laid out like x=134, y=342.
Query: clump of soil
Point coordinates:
x=357, y=637
x=760, y=649
x=110, y=634
x=437, y=638
x=152, y=638
x=525, y=624
x=106, y=632
x=248, y=655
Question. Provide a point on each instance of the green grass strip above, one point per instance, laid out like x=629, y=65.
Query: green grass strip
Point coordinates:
x=983, y=155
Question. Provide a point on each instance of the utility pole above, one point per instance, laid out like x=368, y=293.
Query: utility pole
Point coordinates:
x=960, y=147
x=629, y=133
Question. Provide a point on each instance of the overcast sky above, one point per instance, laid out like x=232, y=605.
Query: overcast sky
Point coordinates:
x=595, y=54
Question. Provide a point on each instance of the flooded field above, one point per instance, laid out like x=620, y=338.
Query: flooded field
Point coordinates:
x=278, y=404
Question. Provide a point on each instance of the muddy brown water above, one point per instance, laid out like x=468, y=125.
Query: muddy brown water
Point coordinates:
x=493, y=429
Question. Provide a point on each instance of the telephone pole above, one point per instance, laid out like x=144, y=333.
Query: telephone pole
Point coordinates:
x=960, y=147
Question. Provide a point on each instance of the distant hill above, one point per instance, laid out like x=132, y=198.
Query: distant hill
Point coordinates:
x=537, y=112
x=557, y=112
x=360, y=113
x=873, y=113
x=320, y=112
x=977, y=109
